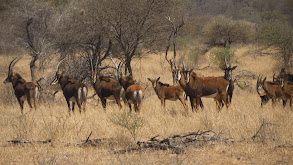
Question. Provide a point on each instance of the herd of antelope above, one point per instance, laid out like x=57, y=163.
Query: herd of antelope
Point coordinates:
x=127, y=89
x=280, y=88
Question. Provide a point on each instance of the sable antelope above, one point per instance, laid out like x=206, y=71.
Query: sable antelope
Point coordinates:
x=166, y=92
x=211, y=87
x=133, y=92
x=288, y=91
x=187, y=90
x=72, y=90
x=285, y=76
x=108, y=89
x=269, y=90
x=23, y=90
x=228, y=76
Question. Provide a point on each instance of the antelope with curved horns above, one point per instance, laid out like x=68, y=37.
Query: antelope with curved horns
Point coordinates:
x=187, y=90
x=108, y=89
x=133, y=92
x=269, y=90
x=211, y=87
x=166, y=92
x=23, y=90
x=72, y=90
x=228, y=76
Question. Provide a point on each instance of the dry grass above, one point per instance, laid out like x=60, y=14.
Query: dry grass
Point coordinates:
x=240, y=122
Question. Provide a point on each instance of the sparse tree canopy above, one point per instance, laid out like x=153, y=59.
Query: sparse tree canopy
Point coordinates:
x=276, y=32
x=223, y=31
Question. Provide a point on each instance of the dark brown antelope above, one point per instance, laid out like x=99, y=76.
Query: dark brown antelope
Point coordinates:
x=166, y=92
x=210, y=87
x=133, y=92
x=228, y=76
x=285, y=76
x=72, y=90
x=180, y=78
x=270, y=90
x=23, y=90
x=108, y=89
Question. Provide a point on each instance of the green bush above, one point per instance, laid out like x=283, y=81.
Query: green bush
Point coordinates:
x=129, y=121
x=218, y=55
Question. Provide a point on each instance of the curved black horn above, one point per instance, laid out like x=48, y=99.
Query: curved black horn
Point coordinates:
x=183, y=65
x=230, y=56
x=9, y=68
x=59, y=64
x=225, y=58
x=12, y=63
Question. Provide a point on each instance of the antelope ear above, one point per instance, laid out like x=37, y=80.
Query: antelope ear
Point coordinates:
x=158, y=78
x=264, y=79
x=149, y=79
x=234, y=67
x=191, y=70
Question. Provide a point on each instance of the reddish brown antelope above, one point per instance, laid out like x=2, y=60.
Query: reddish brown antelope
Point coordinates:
x=166, y=92
x=72, y=90
x=108, y=89
x=270, y=90
x=288, y=91
x=133, y=92
x=211, y=87
x=23, y=90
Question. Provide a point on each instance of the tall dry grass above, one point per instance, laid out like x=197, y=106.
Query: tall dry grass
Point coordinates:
x=240, y=122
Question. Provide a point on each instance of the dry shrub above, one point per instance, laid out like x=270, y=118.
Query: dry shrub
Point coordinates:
x=130, y=121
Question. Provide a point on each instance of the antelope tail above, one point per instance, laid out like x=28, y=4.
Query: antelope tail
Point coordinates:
x=36, y=92
x=84, y=94
x=138, y=96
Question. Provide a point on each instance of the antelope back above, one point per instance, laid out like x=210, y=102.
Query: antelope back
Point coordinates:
x=126, y=81
x=207, y=82
x=134, y=93
x=105, y=86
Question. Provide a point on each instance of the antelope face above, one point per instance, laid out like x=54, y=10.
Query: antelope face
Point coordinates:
x=154, y=82
x=186, y=75
x=260, y=90
x=56, y=79
x=228, y=72
x=11, y=77
x=94, y=77
x=7, y=80
x=259, y=87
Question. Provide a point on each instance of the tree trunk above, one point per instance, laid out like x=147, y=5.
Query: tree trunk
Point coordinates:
x=128, y=68
x=33, y=67
x=286, y=59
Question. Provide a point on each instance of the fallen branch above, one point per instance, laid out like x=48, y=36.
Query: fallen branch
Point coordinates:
x=22, y=140
x=177, y=142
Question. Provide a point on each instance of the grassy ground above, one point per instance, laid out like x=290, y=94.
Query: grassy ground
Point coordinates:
x=240, y=122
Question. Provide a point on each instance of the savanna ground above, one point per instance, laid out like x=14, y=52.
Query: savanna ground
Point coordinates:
x=239, y=123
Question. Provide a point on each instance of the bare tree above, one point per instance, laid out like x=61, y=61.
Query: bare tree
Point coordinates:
x=83, y=32
x=30, y=22
x=173, y=36
x=134, y=25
